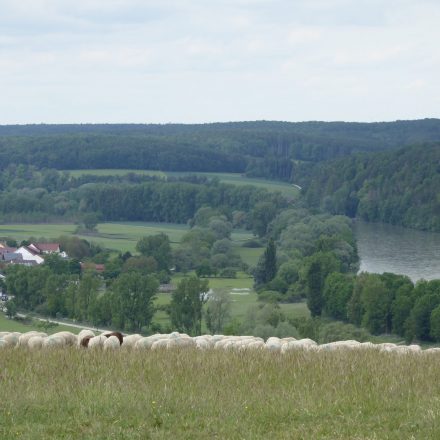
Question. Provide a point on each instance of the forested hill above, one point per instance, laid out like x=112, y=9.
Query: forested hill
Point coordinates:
x=400, y=187
x=277, y=150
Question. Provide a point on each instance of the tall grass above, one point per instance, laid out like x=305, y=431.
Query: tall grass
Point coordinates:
x=75, y=394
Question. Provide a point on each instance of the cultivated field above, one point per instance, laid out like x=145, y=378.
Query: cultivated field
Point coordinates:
x=232, y=178
x=190, y=394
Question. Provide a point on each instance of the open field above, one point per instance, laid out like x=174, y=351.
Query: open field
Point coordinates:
x=241, y=299
x=10, y=325
x=189, y=394
x=123, y=236
x=231, y=178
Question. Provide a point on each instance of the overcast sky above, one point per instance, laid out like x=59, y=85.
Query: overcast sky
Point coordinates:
x=218, y=60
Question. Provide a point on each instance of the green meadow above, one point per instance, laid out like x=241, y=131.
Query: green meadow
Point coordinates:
x=12, y=325
x=231, y=178
x=122, y=236
x=191, y=394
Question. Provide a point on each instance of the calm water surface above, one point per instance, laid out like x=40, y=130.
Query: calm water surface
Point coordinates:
x=387, y=248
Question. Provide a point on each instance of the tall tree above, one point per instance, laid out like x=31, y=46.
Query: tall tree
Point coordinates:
x=157, y=246
x=218, y=311
x=320, y=265
x=267, y=265
x=187, y=303
x=132, y=305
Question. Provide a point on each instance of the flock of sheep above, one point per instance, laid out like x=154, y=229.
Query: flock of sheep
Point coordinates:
x=86, y=339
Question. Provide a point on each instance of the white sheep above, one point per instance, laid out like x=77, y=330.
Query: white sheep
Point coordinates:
x=69, y=338
x=54, y=342
x=24, y=338
x=97, y=342
x=433, y=350
x=35, y=342
x=11, y=339
x=301, y=344
x=274, y=344
x=160, y=343
x=131, y=340
x=111, y=343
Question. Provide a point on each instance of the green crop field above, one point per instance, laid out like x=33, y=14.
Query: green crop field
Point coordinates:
x=231, y=178
x=192, y=394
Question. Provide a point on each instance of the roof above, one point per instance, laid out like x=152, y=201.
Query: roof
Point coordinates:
x=92, y=266
x=7, y=249
x=47, y=247
x=28, y=249
x=12, y=256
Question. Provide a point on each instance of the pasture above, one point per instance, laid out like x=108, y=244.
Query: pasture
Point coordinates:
x=122, y=236
x=192, y=394
x=285, y=188
x=11, y=325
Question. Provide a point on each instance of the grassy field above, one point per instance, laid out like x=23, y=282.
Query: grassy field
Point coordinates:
x=10, y=325
x=123, y=236
x=231, y=178
x=241, y=299
x=75, y=394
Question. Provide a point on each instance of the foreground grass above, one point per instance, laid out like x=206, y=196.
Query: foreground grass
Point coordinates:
x=74, y=394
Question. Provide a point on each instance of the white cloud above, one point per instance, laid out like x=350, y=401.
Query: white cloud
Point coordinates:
x=192, y=60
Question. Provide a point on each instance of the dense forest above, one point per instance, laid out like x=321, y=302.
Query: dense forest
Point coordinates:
x=31, y=195
x=276, y=150
x=399, y=187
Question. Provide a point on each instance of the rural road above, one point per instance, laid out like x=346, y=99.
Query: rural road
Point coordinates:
x=94, y=329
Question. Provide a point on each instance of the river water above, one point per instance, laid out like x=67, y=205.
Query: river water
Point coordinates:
x=387, y=248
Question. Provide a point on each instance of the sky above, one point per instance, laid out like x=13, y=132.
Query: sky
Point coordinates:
x=193, y=61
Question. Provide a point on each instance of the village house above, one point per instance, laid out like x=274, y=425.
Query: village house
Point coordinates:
x=30, y=255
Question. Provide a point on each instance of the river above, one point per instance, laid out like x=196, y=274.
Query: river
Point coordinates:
x=387, y=248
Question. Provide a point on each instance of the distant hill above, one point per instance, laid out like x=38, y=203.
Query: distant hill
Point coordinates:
x=271, y=149
x=399, y=187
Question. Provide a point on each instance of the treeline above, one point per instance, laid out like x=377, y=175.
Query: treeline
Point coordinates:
x=274, y=150
x=40, y=195
x=399, y=187
x=386, y=303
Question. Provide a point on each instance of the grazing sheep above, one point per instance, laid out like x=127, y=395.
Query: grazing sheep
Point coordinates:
x=433, y=350
x=82, y=335
x=118, y=335
x=54, y=342
x=274, y=344
x=84, y=343
x=339, y=345
x=24, y=338
x=180, y=342
x=96, y=342
x=130, y=340
x=204, y=342
x=301, y=344
x=69, y=338
x=35, y=342
x=11, y=339
x=159, y=343
x=147, y=342
x=112, y=343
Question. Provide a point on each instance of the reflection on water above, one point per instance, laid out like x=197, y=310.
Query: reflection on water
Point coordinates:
x=387, y=248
